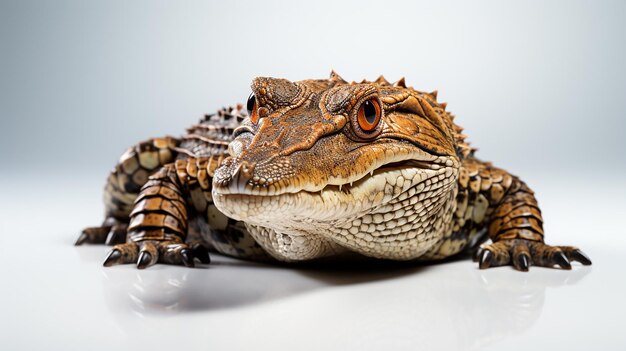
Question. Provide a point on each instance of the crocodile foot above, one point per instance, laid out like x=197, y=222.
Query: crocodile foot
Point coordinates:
x=111, y=232
x=148, y=252
x=523, y=253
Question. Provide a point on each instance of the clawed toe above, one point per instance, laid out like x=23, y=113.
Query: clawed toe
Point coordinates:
x=144, y=260
x=116, y=235
x=184, y=254
x=485, y=259
x=201, y=252
x=561, y=260
x=82, y=238
x=112, y=258
x=521, y=263
x=121, y=254
x=111, y=232
x=187, y=257
x=93, y=235
x=579, y=256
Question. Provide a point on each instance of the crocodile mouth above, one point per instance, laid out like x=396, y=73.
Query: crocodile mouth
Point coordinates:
x=239, y=185
x=292, y=207
x=278, y=177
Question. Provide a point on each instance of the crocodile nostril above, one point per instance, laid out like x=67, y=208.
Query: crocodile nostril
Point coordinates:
x=240, y=177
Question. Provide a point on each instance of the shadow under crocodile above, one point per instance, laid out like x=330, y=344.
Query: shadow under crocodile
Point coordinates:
x=230, y=283
x=461, y=306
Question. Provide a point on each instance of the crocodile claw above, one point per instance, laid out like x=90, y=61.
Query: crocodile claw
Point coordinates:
x=485, y=259
x=579, y=256
x=561, y=260
x=144, y=260
x=116, y=235
x=522, y=263
x=93, y=235
x=113, y=258
x=81, y=239
x=201, y=252
x=187, y=257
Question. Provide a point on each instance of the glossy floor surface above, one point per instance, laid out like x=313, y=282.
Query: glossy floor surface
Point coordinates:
x=57, y=296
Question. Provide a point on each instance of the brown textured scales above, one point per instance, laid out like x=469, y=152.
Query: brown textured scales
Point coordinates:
x=321, y=167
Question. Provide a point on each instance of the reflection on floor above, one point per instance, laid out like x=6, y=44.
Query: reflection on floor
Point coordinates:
x=479, y=306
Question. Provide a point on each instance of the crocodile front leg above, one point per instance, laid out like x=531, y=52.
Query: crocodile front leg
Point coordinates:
x=123, y=185
x=516, y=226
x=491, y=199
x=159, y=219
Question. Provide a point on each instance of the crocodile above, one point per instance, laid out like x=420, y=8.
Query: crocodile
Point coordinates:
x=321, y=168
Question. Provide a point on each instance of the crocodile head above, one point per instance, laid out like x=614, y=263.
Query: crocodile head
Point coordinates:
x=314, y=153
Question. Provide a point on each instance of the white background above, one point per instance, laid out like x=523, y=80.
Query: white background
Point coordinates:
x=540, y=88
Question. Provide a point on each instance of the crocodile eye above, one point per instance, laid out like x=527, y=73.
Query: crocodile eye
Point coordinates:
x=252, y=110
x=368, y=115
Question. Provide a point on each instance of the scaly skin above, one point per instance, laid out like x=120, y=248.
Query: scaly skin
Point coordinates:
x=321, y=168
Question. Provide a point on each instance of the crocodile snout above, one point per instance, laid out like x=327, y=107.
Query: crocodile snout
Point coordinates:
x=241, y=176
x=233, y=176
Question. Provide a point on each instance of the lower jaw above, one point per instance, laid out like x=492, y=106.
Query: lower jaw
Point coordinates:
x=269, y=211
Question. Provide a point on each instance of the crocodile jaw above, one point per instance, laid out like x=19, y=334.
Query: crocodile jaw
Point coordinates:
x=305, y=212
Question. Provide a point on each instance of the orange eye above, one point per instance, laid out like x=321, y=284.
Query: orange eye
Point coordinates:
x=368, y=115
x=252, y=109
